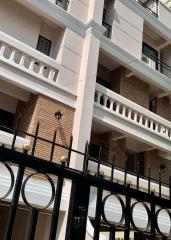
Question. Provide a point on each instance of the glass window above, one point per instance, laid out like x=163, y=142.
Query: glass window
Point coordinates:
x=44, y=45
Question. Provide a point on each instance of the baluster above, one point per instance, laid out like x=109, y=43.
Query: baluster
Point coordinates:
x=162, y=130
x=32, y=64
x=111, y=104
x=41, y=69
x=118, y=107
x=146, y=122
x=151, y=124
x=156, y=127
x=22, y=59
x=2, y=49
x=12, y=56
x=167, y=132
x=129, y=113
x=135, y=116
x=124, y=111
x=51, y=74
x=141, y=119
x=105, y=101
x=99, y=95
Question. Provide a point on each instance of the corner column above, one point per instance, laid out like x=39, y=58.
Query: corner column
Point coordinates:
x=86, y=89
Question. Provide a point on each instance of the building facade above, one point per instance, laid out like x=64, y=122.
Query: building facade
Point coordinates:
x=105, y=67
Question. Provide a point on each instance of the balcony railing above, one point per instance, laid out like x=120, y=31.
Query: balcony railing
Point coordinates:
x=108, y=31
x=62, y=3
x=27, y=59
x=132, y=112
x=150, y=5
x=156, y=63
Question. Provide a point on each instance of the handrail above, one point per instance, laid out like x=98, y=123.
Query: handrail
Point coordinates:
x=145, y=5
x=27, y=58
x=108, y=29
x=161, y=66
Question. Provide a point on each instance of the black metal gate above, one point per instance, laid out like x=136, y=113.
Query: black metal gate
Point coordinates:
x=82, y=181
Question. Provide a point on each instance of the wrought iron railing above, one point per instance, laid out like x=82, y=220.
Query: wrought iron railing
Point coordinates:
x=63, y=3
x=108, y=31
x=150, y=5
x=156, y=63
x=129, y=198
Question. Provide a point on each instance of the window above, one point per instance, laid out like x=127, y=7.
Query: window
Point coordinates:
x=103, y=82
x=150, y=56
x=94, y=151
x=44, y=45
x=6, y=118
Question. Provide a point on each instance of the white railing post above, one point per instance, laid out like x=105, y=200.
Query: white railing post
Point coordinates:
x=32, y=64
x=12, y=56
x=22, y=59
x=2, y=49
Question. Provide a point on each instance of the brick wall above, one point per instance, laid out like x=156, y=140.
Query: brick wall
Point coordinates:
x=153, y=161
x=42, y=109
x=110, y=147
x=131, y=88
x=163, y=107
x=134, y=89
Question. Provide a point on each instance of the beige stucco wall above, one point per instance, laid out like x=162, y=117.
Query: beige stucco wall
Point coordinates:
x=127, y=29
x=19, y=22
x=79, y=8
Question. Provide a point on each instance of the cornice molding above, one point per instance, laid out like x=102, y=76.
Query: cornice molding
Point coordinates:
x=94, y=28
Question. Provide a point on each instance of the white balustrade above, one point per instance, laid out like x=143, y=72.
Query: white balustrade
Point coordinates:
x=131, y=111
x=28, y=62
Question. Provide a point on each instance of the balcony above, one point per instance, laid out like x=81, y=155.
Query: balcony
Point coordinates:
x=121, y=114
x=150, y=5
x=16, y=57
x=108, y=31
x=156, y=63
x=61, y=3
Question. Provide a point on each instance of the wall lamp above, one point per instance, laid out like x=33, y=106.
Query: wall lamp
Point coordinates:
x=58, y=115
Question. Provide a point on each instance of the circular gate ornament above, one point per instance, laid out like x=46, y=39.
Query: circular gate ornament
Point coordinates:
x=23, y=191
x=148, y=215
x=104, y=215
x=12, y=180
x=157, y=224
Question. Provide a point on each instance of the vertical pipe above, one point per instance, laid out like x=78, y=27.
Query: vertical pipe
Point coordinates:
x=99, y=161
x=35, y=139
x=138, y=174
x=127, y=218
x=113, y=167
x=149, y=180
x=152, y=234
x=56, y=208
x=14, y=204
x=125, y=167
x=112, y=233
x=15, y=132
x=85, y=165
x=70, y=150
x=98, y=214
x=33, y=224
x=160, y=183
x=53, y=146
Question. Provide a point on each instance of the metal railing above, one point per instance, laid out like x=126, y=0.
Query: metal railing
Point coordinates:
x=82, y=182
x=150, y=5
x=156, y=63
x=63, y=3
x=108, y=31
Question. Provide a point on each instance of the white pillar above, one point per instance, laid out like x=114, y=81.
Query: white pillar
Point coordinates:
x=96, y=10
x=85, y=99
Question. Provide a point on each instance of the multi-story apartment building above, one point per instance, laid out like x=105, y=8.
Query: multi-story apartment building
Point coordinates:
x=104, y=68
